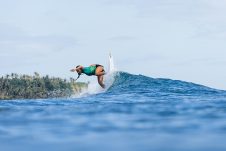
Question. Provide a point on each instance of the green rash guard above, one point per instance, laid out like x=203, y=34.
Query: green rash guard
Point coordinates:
x=91, y=70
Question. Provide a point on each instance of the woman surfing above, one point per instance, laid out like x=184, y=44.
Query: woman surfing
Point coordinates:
x=94, y=69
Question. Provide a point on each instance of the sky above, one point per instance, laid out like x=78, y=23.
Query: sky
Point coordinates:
x=182, y=40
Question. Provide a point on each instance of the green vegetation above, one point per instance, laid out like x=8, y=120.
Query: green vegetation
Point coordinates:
x=16, y=86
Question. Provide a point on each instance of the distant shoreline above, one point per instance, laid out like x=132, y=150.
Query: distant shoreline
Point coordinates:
x=14, y=86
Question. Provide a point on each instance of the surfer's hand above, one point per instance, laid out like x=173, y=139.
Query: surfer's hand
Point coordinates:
x=72, y=70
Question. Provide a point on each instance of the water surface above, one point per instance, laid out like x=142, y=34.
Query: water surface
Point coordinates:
x=135, y=113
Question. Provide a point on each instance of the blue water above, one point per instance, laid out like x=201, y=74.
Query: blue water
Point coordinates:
x=137, y=113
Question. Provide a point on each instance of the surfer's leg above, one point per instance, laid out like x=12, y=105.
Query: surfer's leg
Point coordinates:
x=100, y=81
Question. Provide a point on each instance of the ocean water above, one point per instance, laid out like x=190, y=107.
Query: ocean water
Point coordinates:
x=136, y=113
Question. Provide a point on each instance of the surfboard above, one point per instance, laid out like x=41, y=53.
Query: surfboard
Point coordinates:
x=111, y=64
x=109, y=77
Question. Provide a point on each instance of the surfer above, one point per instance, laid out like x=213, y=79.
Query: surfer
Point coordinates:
x=94, y=69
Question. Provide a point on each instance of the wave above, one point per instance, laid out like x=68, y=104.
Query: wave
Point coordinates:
x=123, y=83
x=129, y=83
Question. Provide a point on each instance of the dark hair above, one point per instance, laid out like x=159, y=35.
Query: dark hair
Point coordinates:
x=78, y=66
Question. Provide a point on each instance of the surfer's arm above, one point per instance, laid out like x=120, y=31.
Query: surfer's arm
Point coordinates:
x=75, y=69
x=93, y=65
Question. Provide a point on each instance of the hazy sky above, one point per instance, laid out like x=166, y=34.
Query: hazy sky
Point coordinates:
x=177, y=39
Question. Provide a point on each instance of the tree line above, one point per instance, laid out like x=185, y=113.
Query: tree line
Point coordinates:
x=14, y=86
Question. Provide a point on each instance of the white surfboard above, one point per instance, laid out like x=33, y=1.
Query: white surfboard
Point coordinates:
x=109, y=77
x=111, y=67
